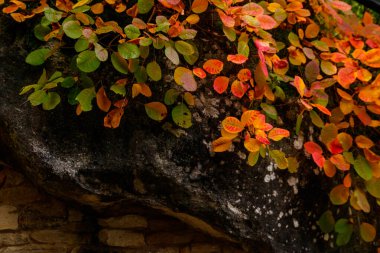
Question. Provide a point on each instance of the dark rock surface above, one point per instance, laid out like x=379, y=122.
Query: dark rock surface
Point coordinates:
x=77, y=159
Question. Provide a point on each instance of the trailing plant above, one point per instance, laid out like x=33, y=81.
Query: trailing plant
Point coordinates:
x=315, y=56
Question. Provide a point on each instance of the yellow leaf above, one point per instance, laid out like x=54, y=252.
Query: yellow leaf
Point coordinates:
x=221, y=144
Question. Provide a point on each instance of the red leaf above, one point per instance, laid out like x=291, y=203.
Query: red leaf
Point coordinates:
x=237, y=58
x=312, y=147
x=221, y=84
x=318, y=159
x=238, y=88
x=199, y=73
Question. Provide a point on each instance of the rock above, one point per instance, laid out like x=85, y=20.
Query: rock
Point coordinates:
x=12, y=239
x=76, y=158
x=205, y=248
x=127, y=221
x=121, y=238
x=9, y=217
x=169, y=238
x=34, y=248
x=56, y=236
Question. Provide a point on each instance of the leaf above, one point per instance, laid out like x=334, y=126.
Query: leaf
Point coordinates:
x=237, y=58
x=185, y=78
x=182, y=116
x=277, y=134
x=85, y=97
x=193, y=19
x=270, y=110
x=373, y=187
x=267, y=22
x=340, y=5
x=199, y=73
x=312, y=71
x=97, y=8
x=72, y=29
x=252, y=9
x=344, y=230
x=144, y=6
x=339, y=195
x=132, y=31
x=367, y=232
x=171, y=96
x=315, y=119
x=329, y=133
x=299, y=123
x=346, y=76
x=213, y=66
x=87, y=61
x=221, y=84
x=312, y=31
x=323, y=109
x=232, y=125
x=221, y=144
x=279, y=158
x=300, y=85
x=294, y=40
x=361, y=200
x=345, y=140
x=340, y=162
x=40, y=31
x=154, y=71
x=100, y=52
x=128, y=51
x=37, y=57
x=326, y=222
x=329, y=168
x=238, y=88
x=244, y=75
x=252, y=145
x=189, y=98
x=119, y=63
x=199, y=6
x=363, y=142
x=112, y=119
x=184, y=48
x=172, y=55
x=253, y=158
x=227, y=20
x=328, y=68
x=362, y=167
x=53, y=15
x=156, y=110
x=81, y=44
x=230, y=33
x=102, y=100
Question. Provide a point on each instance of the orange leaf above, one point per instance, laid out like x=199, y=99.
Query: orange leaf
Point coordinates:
x=237, y=58
x=10, y=9
x=339, y=195
x=345, y=140
x=318, y=159
x=329, y=168
x=361, y=113
x=339, y=161
x=363, y=142
x=372, y=58
x=102, y=100
x=199, y=6
x=344, y=94
x=249, y=116
x=322, y=109
x=227, y=21
x=112, y=119
x=213, y=66
x=300, y=85
x=277, y=134
x=221, y=144
x=121, y=103
x=346, y=106
x=252, y=9
x=221, y=84
x=347, y=181
x=97, y=8
x=252, y=145
x=340, y=5
x=312, y=147
x=145, y=90
x=238, y=88
x=199, y=73
x=346, y=76
x=232, y=125
x=261, y=136
x=244, y=75
x=267, y=22
x=312, y=31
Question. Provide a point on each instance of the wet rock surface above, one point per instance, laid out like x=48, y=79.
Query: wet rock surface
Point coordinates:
x=78, y=159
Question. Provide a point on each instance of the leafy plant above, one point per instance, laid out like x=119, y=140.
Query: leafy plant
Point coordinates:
x=315, y=56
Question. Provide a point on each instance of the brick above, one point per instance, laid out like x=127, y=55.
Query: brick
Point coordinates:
x=205, y=248
x=13, y=239
x=167, y=238
x=121, y=238
x=127, y=221
x=56, y=236
x=19, y=195
x=35, y=248
x=9, y=217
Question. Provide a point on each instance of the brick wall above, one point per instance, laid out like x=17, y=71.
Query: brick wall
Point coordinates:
x=32, y=221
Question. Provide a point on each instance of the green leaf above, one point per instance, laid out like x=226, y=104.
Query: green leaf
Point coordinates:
x=53, y=15
x=144, y=6
x=100, y=52
x=132, y=31
x=81, y=44
x=37, y=97
x=172, y=55
x=145, y=41
x=128, y=51
x=326, y=222
x=298, y=123
x=158, y=43
x=373, y=187
x=191, y=59
x=53, y=99
x=119, y=63
x=362, y=167
x=270, y=110
x=68, y=82
x=253, y=158
x=279, y=93
x=279, y=157
x=119, y=89
x=40, y=31
x=188, y=34
x=144, y=52
x=230, y=33
x=85, y=97
x=344, y=230
x=184, y=48
x=72, y=29
x=37, y=57
x=315, y=119
x=156, y=110
x=87, y=61
x=171, y=96
x=154, y=71
x=43, y=78
x=27, y=88
x=73, y=93
x=140, y=74
x=294, y=40
x=182, y=116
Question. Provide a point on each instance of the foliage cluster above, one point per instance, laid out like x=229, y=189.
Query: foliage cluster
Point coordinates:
x=314, y=55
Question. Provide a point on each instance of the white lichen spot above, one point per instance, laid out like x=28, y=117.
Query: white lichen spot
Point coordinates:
x=270, y=167
x=242, y=155
x=280, y=215
x=295, y=223
x=275, y=193
x=279, y=225
x=326, y=237
x=313, y=227
x=298, y=143
x=258, y=211
x=233, y=209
